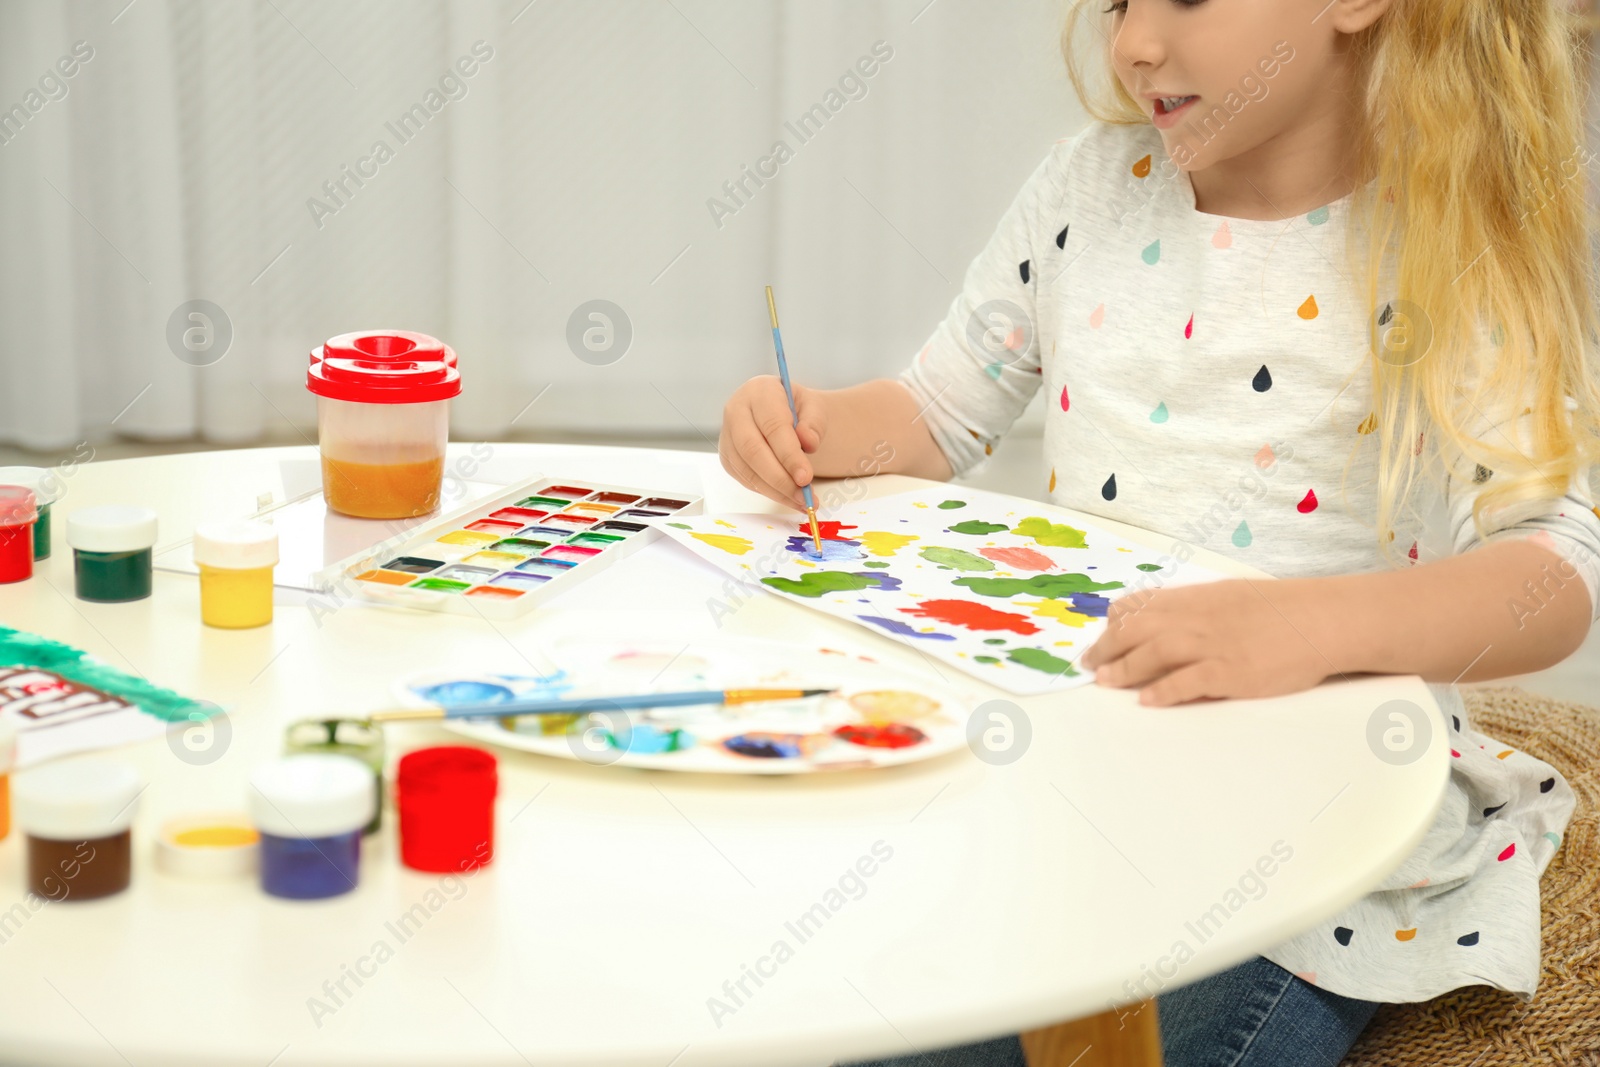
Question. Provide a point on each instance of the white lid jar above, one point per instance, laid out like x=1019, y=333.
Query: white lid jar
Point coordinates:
x=312, y=796
x=235, y=544
x=111, y=528
x=78, y=801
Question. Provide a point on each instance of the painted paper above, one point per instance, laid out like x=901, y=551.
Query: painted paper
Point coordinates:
x=1009, y=590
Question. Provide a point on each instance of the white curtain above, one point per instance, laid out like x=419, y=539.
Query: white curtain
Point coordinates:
x=578, y=161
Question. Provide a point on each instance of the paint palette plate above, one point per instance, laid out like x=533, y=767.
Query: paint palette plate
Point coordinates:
x=511, y=551
x=878, y=717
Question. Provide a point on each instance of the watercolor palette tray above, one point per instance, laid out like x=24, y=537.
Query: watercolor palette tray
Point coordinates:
x=509, y=552
x=878, y=717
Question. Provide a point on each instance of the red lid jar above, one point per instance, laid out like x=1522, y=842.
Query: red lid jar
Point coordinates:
x=446, y=800
x=383, y=420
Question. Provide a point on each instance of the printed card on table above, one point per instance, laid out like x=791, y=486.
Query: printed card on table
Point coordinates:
x=1003, y=588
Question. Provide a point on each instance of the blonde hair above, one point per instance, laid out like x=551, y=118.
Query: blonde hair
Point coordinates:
x=1472, y=124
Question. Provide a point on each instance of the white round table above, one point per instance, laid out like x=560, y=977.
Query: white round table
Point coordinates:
x=1121, y=854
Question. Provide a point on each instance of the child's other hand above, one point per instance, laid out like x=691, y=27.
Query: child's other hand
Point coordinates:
x=761, y=446
x=1220, y=639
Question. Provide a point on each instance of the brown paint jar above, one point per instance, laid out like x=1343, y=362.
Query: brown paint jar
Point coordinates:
x=77, y=817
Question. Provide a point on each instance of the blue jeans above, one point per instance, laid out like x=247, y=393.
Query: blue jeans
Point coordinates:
x=1256, y=1015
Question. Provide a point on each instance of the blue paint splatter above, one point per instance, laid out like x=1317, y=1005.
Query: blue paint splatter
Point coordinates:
x=831, y=550
x=649, y=740
x=448, y=694
x=886, y=582
x=1091, y=604
x=895, y=626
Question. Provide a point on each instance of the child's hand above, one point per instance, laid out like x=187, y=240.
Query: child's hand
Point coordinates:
x=1220, y=639
x=761, y=446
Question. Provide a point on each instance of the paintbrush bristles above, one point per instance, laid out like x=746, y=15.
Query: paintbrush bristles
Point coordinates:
x=772, y=308
x=816, y=534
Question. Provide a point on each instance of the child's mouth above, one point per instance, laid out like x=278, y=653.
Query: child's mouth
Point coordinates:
x=1168, y=108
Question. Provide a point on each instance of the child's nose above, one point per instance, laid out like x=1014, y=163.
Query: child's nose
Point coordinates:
x=1140, y=45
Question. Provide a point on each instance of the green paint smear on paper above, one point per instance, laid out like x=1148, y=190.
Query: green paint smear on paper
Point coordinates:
x=955, y=558
x=950, y=505
x=821, y=583
x=1040, y=660
x=985, y=659
x=875, y=564
x=32, y=652
x=994, y=640
x=977, y=527
x=1046, y=585
x=1149, y=566
x=678, y=525
x=1055, y=535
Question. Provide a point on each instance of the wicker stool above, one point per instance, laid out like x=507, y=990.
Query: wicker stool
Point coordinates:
x=1481, y=1027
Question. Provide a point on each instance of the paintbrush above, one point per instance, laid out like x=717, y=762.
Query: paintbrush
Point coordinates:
x=585, y=705
x=788, y=391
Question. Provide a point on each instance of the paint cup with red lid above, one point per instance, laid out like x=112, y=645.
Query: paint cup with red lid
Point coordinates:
x=383, y=420
x=19, y=510
x=446, y=800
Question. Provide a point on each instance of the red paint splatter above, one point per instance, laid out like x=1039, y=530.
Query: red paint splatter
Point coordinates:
x=886, y=735
x=1065, y=403
x=1454, y=753
x=973, y=616
x=1022, y=559
x=1510, y=850
x=1413, y=552
x=829, y=530
x=1308, y=503
x=1188, y=331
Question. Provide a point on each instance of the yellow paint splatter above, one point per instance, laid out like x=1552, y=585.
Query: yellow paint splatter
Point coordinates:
x=729, y=525
x=884, y=543
x=1059, y=610
x=918, y=504
x=734, y=546
x=1052, y=481
x=1121, y=549
x=1308, y=310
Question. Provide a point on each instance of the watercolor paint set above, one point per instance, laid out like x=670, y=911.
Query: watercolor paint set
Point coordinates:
x=871, y=716
x=507, y=553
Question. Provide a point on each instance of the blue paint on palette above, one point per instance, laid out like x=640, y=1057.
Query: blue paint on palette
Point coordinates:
x=447, y=694
x=895, y=626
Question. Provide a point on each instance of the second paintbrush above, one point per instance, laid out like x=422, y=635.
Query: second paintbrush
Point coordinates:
x=583, y=705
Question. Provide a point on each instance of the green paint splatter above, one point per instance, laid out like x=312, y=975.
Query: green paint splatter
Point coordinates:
x=820, y=583
x=1052, y=534
x=1054, y=586
x=678, y=525
x=1040, y=660
x=977, y=527
x=955, y=558
x=994, y=640
x=875, y=564
x=985, y=659
x=950, y=505
x=1241, y=535
x=1149, y=566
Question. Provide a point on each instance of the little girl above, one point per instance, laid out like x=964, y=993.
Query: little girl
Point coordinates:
x=1314, y=293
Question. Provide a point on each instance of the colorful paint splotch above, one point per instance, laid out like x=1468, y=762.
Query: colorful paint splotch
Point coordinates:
x=732, y=544
x=820, y=583
x=884, y=543
x=951, y=505
x=971, y=615
x=830, y=530
x=1059, y=610
x=957, y=559
x=977, y=527
x=881, y=735
x=1053, y=586
x=806, y=548
x=1050, y=534
x=1018, y=559
x=895, y=626
x=1039, y=660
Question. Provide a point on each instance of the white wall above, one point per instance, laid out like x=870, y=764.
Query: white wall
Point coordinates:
x=577, y=165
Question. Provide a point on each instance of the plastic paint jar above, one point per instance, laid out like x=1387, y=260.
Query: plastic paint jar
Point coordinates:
x=208, y=846
x=18, y=512
x=235, y=560
x=383, y=421
x=355, y=738
x=446, y=801
x=111, y=550
x=8, y=760
x=77, y=817
x=47, y=489
x=310, y=810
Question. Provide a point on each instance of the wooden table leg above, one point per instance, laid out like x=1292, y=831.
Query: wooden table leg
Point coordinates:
x=1125, y=1038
